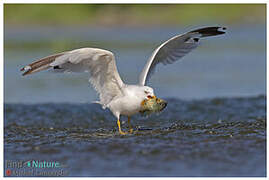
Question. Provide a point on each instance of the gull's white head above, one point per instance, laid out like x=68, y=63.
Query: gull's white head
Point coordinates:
x=148, y=92
x=143, y=92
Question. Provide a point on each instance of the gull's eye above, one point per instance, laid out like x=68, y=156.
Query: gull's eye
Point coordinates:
x=146, y=92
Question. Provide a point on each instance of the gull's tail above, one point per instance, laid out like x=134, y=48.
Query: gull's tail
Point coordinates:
x=40, y=65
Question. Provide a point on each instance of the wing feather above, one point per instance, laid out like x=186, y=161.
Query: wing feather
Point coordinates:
x=175, y=48
x=100, y=63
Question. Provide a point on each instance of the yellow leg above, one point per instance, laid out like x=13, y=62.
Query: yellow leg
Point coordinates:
x=130, y=126
x=121, y=132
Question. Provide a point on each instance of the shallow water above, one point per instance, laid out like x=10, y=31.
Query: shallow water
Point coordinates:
x=210, y=137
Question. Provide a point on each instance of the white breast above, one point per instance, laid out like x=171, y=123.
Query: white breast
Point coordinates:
x=130, y=103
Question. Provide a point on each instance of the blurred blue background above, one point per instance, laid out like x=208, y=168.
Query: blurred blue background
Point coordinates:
x=231, y=65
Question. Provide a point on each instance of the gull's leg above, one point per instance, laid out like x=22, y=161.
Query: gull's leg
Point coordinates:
x=121, y=132
x=130, y=125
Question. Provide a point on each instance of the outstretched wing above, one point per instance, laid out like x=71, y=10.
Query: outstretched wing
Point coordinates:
x=175, y=48
x=99, y=63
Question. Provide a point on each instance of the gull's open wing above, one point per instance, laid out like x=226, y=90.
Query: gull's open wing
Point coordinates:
x=175, y=48
x=99, y=63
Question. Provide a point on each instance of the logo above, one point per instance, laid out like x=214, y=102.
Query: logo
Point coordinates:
x=35, y=168
x=8, y=172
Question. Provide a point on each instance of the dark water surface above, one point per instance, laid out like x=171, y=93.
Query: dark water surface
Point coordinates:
x=210, y=137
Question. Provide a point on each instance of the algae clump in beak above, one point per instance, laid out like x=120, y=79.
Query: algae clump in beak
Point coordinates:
x=152, y=105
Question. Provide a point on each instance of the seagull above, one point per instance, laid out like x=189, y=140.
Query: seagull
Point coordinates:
x=114, y=94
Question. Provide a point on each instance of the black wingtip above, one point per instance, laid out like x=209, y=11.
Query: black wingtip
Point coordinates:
x=210, y=31
x=26, y=70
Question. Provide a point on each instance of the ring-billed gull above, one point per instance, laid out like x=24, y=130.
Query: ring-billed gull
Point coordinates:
x=121, y=98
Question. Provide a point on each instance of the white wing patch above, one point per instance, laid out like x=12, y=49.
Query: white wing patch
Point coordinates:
x=174, y=49
x=167, y=53
x=99, y=63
